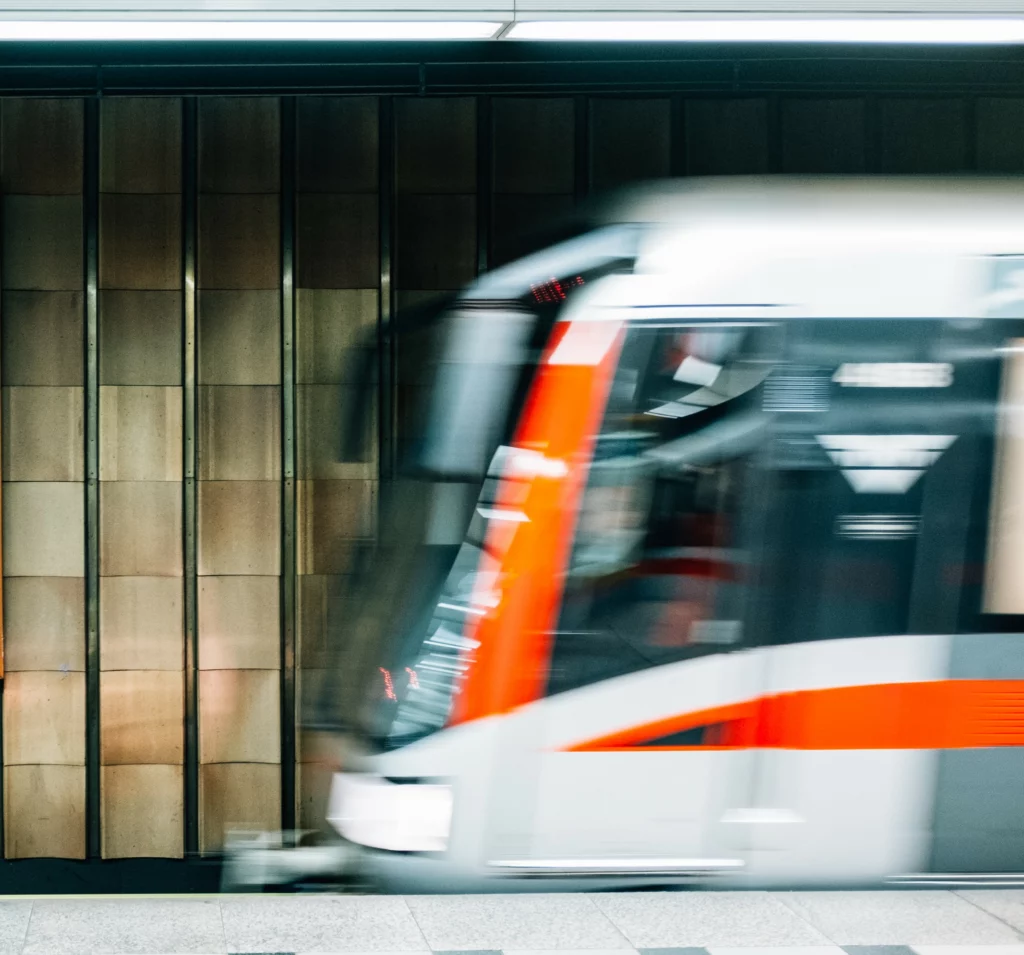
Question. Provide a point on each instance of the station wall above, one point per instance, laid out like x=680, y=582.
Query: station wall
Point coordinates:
x=183, y=282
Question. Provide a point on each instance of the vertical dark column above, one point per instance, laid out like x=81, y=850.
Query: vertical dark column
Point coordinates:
x=774, y=133
x=582, y=148
x=872, y=135
x=386, y=343
x=90, y=219
x=971, y=133
x=484, y=182
x=288, y=544
x=189, y=205
x=678, y=165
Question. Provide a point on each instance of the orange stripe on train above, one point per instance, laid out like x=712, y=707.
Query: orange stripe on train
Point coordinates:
x=943, y=714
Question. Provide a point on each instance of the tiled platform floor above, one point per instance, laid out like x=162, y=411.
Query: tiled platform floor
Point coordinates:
x=981, y=922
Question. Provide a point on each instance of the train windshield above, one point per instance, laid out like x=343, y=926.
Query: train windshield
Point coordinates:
x=394, y=655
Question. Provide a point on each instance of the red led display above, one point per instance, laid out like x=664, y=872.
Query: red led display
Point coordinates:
x=555, y=290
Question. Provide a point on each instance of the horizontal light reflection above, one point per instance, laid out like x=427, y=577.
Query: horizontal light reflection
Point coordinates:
x=879, y=30
x=142, y=30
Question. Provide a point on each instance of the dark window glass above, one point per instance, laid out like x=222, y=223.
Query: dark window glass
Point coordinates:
x=661, y=559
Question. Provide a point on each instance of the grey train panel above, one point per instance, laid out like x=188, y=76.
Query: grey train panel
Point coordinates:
x=977, y=823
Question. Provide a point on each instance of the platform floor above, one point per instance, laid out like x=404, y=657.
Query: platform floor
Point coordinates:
x=977, y=922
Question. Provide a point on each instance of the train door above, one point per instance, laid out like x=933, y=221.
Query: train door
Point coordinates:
x=633, y=749
x=880, y=469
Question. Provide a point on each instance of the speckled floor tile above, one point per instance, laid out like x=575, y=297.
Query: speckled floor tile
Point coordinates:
x=1005, y=904
x=673, y=919
x=14, y=918
x=322, y=924
x=514, y=922
x=898, y=918
x=144, y=927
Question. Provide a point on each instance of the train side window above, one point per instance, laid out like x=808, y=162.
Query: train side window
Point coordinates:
x=658, y=567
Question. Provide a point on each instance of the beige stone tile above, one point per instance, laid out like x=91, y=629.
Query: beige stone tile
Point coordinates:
x=321, y=612
x=921, y=135
x=239, y=337
x=313, y=785
x=337, y=243
x=329, y=325
x=44, y=812
x=143, y=812
x=239, y=623
x=324, y=448
x=140, y=242
x=239, y=242
x=630, y=140
x=44, y=623
x=727, y=137
x=42, y=146
x=827, y=136
x=227, y=123
x=244, y=796
x=141, y=623
x=239, y=716
x=140, y=144
x=140, y=529
x=44, y=530
x=239, y=433
x=44, y=718
x=437, y=236
x=436, y=144
x=331, y=515
x=141, y=716
x=520, y=123
x=140, y=337
x=140, y=433
x=517, y=219
x=42, y=242
x=337, y=144
x=239, y=528
x=43, y=340
x=42, y=434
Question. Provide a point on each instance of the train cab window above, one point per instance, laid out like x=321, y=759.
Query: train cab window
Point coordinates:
x=659, y=565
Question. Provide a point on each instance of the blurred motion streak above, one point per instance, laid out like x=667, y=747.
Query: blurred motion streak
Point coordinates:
x=708, y=517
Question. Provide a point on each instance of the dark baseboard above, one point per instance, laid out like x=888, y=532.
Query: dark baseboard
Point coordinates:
x=109, y=877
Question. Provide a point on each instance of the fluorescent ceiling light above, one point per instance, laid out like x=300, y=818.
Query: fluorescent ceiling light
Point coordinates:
x=887, y=30
x=239, y=30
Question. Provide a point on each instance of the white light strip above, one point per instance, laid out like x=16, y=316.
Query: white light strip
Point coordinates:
x=889, y=30
x=242, y=30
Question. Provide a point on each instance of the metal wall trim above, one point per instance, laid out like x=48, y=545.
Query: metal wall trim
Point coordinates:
x=775, y=134
x=387, y=419
x=581, y=179
x=189, y=352
x=971, y=133
x=872, y=135
x=289, y=133
x=484, y=181
x=678, y=159
x=503, y=69
x=91, y=226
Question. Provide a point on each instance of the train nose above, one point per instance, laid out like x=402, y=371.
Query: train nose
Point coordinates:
x=398, y=815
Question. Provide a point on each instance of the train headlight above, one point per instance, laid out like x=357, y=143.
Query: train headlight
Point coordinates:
x=384, y=814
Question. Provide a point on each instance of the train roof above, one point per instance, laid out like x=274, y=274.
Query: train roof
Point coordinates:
x=826, y=246
x=895, y=199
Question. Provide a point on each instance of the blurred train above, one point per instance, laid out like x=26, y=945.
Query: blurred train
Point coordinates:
x=707, y=565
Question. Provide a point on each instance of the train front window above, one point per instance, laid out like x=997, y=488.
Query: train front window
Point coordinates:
x=663, y=545
x=475, y=403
